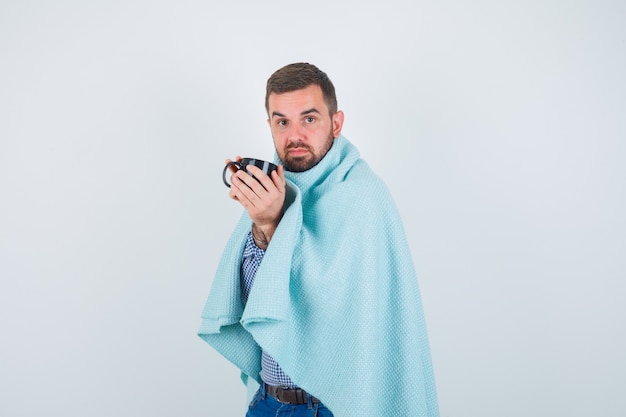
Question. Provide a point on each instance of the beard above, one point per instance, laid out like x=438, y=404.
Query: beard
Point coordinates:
x=307, y=161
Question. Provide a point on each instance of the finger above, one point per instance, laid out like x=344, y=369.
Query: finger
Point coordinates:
x=228, y=160
x=233, y=191
x=233, y=168
x=248, y=185
x=261, y=176
x=278, y=179
x=240, y=192
x=280, y=174
x=236, y=187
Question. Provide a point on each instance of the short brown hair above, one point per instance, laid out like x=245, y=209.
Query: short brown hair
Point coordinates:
x=300, y=75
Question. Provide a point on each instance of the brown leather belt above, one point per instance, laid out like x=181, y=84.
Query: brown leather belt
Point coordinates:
x=289, y=396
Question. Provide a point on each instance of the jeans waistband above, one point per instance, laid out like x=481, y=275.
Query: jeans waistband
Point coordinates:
x=295, y=396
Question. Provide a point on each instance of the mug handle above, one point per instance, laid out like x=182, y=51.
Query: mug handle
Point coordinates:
x=226, y=169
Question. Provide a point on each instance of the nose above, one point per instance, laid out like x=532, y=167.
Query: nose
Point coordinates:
x=295, y=133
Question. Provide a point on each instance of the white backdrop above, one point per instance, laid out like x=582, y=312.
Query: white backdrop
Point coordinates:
x=498, y=125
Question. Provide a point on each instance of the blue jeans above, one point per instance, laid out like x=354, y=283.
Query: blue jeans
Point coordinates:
x=264, y=405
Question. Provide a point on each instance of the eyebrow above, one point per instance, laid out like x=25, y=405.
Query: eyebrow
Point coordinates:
x=304, y=113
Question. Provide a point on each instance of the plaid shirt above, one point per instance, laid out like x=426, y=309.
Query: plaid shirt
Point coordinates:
x=271, y=373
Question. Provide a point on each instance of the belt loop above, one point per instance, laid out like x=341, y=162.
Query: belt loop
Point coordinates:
x=263, y=389
x=309, y=401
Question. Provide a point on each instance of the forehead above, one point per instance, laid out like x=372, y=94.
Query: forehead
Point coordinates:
x=297, y=101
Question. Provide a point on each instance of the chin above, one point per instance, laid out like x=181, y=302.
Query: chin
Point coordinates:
x=301, y=164
x=297, y=164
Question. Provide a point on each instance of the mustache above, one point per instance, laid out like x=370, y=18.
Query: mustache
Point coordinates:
x=296, y=145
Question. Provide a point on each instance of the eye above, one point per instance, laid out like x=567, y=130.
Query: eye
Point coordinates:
x=282, y=123
x=309, y=119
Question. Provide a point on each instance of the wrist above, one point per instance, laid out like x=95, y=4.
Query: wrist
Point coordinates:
x=261, y=236
x=261, y=243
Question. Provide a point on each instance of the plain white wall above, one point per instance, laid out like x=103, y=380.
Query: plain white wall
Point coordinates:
x=498, y=126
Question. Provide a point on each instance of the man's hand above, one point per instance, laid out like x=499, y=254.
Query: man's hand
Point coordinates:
x=263, y=199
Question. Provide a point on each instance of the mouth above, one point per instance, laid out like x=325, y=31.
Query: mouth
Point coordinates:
x=297, y=151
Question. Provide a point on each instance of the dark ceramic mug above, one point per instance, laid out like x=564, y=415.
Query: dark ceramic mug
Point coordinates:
x=266, y=167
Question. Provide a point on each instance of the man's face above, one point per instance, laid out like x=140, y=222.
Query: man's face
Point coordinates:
x=302, y=129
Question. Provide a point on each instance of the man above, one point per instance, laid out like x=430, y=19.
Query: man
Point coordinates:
x=315, y=297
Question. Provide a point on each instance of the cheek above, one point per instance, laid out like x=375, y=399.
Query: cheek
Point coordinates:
x=279, y=142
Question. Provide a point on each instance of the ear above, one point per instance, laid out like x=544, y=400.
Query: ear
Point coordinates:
x=337, y=123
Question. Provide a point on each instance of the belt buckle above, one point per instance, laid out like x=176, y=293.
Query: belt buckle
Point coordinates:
x=279, y=392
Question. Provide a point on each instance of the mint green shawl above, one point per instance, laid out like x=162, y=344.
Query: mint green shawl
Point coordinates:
x=335, y=301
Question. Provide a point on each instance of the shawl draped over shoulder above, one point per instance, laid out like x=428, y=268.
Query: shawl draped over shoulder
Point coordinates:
x=335, y=300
